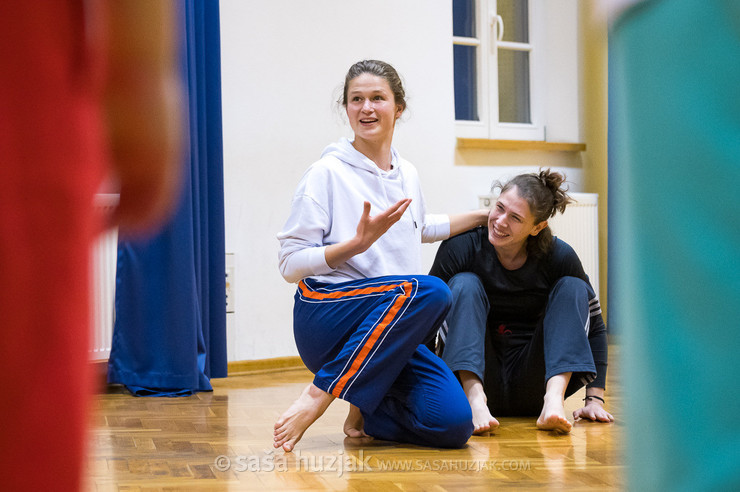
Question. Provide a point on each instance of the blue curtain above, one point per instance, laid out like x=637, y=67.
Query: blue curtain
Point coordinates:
x=169, y=337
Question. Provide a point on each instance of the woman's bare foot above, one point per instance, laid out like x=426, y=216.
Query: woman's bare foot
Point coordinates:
x=553, y=416
x=483, y=421
x=354, y=424
x=291, y=425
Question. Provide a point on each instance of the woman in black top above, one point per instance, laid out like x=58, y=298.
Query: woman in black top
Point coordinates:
x=525, y=330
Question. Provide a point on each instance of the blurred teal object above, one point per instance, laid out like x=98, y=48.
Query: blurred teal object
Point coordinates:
x=675, y=239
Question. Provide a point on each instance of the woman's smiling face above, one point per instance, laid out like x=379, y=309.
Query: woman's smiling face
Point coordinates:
x=511, y=222
x=371, y=108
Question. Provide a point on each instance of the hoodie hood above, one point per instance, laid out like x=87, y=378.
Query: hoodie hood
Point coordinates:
x=345, y=152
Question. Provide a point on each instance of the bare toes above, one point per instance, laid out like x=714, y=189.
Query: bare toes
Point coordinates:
x=554, y=423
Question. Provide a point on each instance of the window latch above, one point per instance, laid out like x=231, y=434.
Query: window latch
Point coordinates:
x=498, y=21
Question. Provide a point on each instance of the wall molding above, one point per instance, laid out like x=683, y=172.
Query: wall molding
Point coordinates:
x=265, y=365
x=487, y=144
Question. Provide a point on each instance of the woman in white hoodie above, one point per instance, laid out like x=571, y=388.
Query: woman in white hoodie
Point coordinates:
x=362, y=309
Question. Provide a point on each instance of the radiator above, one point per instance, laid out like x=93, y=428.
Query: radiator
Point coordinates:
x=104, y=253
x=579, y=227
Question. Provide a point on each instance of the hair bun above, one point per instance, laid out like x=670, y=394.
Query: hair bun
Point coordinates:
x=553, y=181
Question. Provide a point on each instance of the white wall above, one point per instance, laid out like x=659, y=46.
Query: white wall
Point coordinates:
x=563, y=84
x=283, y=63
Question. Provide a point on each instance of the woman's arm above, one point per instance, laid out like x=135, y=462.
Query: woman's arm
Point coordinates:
x=369, y=230
x=567, y=263
x=593, y=409
x=460, y=223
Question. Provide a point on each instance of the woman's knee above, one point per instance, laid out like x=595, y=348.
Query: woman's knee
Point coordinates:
x=467, y=285
x=572, y=287
x=456, y=430
x=568, y=307
x=447, y=419
x=465, y=282
x=435, y=291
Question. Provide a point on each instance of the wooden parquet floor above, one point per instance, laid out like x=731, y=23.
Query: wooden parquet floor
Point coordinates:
x=223, y=441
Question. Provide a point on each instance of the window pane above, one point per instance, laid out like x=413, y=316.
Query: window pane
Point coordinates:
x=513, y=86
x=466, y=95
x=515, y=14
x=463, y=18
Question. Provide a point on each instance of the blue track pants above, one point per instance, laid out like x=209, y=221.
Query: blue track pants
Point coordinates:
x=514, y=369
x=362, y=340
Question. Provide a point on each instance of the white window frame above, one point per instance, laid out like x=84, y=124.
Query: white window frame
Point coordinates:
x=488, y=29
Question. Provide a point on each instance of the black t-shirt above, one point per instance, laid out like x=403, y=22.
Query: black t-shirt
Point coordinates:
x=517, y=297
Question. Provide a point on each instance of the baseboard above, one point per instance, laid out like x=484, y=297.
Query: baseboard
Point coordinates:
x=100, y=367
x=265, y=365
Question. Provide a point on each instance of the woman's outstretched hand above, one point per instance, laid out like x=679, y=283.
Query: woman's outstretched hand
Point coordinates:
x=593, y=411
x=369, y=230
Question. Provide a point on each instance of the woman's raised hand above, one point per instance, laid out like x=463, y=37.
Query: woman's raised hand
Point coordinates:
x=369, y=230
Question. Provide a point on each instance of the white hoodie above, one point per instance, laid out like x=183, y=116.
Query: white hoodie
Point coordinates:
x=327, y=207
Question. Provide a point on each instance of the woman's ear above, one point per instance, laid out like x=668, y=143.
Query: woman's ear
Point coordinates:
x=538, y=228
